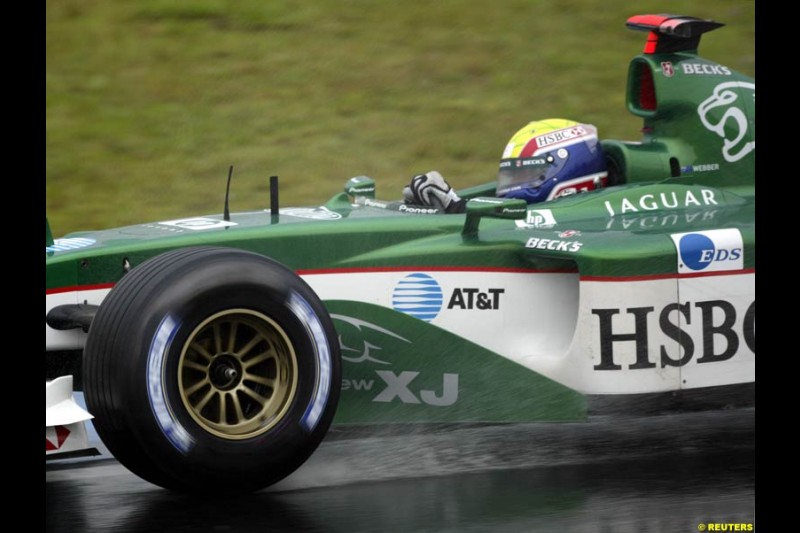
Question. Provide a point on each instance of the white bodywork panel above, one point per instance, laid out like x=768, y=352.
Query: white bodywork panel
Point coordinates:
x=65, y=429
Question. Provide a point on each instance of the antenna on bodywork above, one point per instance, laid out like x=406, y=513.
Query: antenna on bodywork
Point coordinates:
x=226, y=213
x=274, y=209
x=48, y=238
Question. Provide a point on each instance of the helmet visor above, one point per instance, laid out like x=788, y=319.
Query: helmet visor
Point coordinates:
x=527, y=172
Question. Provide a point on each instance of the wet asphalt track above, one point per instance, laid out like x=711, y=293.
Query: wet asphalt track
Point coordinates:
x=610, y=475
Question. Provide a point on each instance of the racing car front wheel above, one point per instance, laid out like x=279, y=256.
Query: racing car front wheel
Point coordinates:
x=212, y=369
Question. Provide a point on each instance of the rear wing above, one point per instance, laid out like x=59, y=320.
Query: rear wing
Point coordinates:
x=671, y=33
x=699, y=115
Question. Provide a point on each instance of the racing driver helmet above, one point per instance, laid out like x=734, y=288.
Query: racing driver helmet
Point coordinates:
x=550, y=158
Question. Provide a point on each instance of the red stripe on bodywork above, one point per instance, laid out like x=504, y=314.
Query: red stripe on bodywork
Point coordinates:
x=669, y=276
x=76, y=288
x=509, y=270
x=362, y=270
x=368, y=270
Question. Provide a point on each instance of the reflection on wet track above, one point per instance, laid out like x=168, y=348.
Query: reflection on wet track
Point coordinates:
x=657, y=474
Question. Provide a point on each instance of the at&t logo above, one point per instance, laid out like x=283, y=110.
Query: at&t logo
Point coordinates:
x=418, y=295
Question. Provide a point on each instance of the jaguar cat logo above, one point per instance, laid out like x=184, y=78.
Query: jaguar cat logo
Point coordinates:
x=733, y=119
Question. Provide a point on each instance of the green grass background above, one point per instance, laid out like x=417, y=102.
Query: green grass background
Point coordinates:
x=148, y=102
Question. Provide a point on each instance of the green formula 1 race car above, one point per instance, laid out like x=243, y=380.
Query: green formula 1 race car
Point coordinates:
x=220, y=348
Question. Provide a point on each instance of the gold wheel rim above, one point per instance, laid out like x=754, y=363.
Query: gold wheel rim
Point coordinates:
x=237, y=374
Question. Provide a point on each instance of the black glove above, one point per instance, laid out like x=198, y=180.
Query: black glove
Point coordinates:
x=432, y=190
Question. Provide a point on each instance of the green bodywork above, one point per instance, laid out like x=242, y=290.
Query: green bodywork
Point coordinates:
x=449, y=379
x=625, y=244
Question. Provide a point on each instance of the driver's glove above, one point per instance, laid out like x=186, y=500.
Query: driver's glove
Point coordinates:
x=432, y=190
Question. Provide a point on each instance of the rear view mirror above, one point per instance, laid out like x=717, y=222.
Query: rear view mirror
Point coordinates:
x=484, y=206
